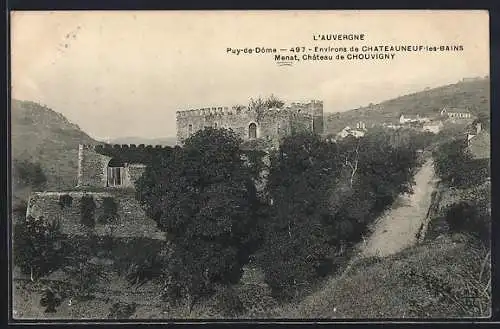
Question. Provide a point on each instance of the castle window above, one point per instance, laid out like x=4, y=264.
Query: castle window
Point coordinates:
x=252, y=131
x=115, y=172
x=278, y=127
x=215, y=125
x=190, y=129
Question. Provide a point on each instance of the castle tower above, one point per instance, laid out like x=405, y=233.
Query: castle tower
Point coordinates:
x=315, y=109
x=91, y=167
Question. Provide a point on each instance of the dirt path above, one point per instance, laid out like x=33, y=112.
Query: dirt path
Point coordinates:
x=398, y=227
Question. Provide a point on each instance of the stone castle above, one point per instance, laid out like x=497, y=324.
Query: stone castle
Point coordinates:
x=248, y=123
x=110, y=171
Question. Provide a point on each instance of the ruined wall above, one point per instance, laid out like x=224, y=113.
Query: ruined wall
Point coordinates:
x=135, y=171
x=92, y=167
x=131, y=220
x=313, y=109
x=271, y=123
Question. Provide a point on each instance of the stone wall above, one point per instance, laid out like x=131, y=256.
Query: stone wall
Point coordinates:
x=135, y=171
x=271, y=123
x=92, y=167
x=130, y=222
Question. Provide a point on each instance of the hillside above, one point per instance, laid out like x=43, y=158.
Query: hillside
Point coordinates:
x=473, y=95
x=42, y=135
x=400, y=286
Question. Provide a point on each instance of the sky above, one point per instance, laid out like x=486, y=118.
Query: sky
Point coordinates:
x=126, y=73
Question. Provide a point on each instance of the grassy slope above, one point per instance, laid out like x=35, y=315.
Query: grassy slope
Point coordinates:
x=384, y=289
x=42, y=135
x=473, y=95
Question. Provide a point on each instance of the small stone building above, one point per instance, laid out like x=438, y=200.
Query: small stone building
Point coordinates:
x=106, y=166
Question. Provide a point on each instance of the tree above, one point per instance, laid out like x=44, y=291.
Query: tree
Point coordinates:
x=27, y=173
x=297, y=245
x=260, y=105
x=273, y=101
x=450, y=162
x=38, y=247
x=203, y=196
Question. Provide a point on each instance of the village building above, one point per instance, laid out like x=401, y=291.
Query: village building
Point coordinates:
x=454, y=113
x=433, y=127
x=357, y=132
x=410, y=118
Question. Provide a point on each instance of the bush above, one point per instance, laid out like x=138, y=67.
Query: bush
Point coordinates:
x=203, y=196
x=65, y=200
x=85, y=275
x=50, y=300
x=228, y=302
x=121, y=310
x=38, y=247
x=87, y=211
x=456, y=167
x=110, y=210
x=470, y=218
x=27, y=173
x=324, y=196
x=257, y=300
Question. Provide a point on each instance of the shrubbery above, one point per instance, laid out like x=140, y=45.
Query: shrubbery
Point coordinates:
x=472, y=216
x=38, y=246
x=65, y=200
x=27, y=173
x=324, y=197
x=87, y=211
x=203, y=196
x=456, y=168
x=110, y=210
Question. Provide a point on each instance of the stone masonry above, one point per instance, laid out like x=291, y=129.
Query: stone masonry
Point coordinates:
x=271, y=123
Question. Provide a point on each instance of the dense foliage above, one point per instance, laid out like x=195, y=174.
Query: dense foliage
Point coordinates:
x=38, y=246
x=203, y=196
x=27, y=173
x=109, y=209
x=451, y=161
x=324, y=195
x=87, y=211
x=456, y=166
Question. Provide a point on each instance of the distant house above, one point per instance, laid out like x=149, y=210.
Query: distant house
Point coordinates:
x=348, y=131
x=474, y=131
x=456, y=113
x=433, y=127
x=409, y=118
x=361, y=125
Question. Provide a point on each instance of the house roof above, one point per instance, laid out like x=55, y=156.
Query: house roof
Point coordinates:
x=480, y=145
x=456, y=110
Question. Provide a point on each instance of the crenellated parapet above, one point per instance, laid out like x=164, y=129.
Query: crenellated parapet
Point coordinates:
x=314, y=107
x=205, y=111
x=248, y=122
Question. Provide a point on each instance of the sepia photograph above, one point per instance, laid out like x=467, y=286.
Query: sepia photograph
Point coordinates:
x=250, y=165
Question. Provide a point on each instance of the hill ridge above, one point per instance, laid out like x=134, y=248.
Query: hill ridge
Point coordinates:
x=465, y=94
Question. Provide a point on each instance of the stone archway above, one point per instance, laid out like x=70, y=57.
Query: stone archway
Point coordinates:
x=115, y=172
x=252, y=130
